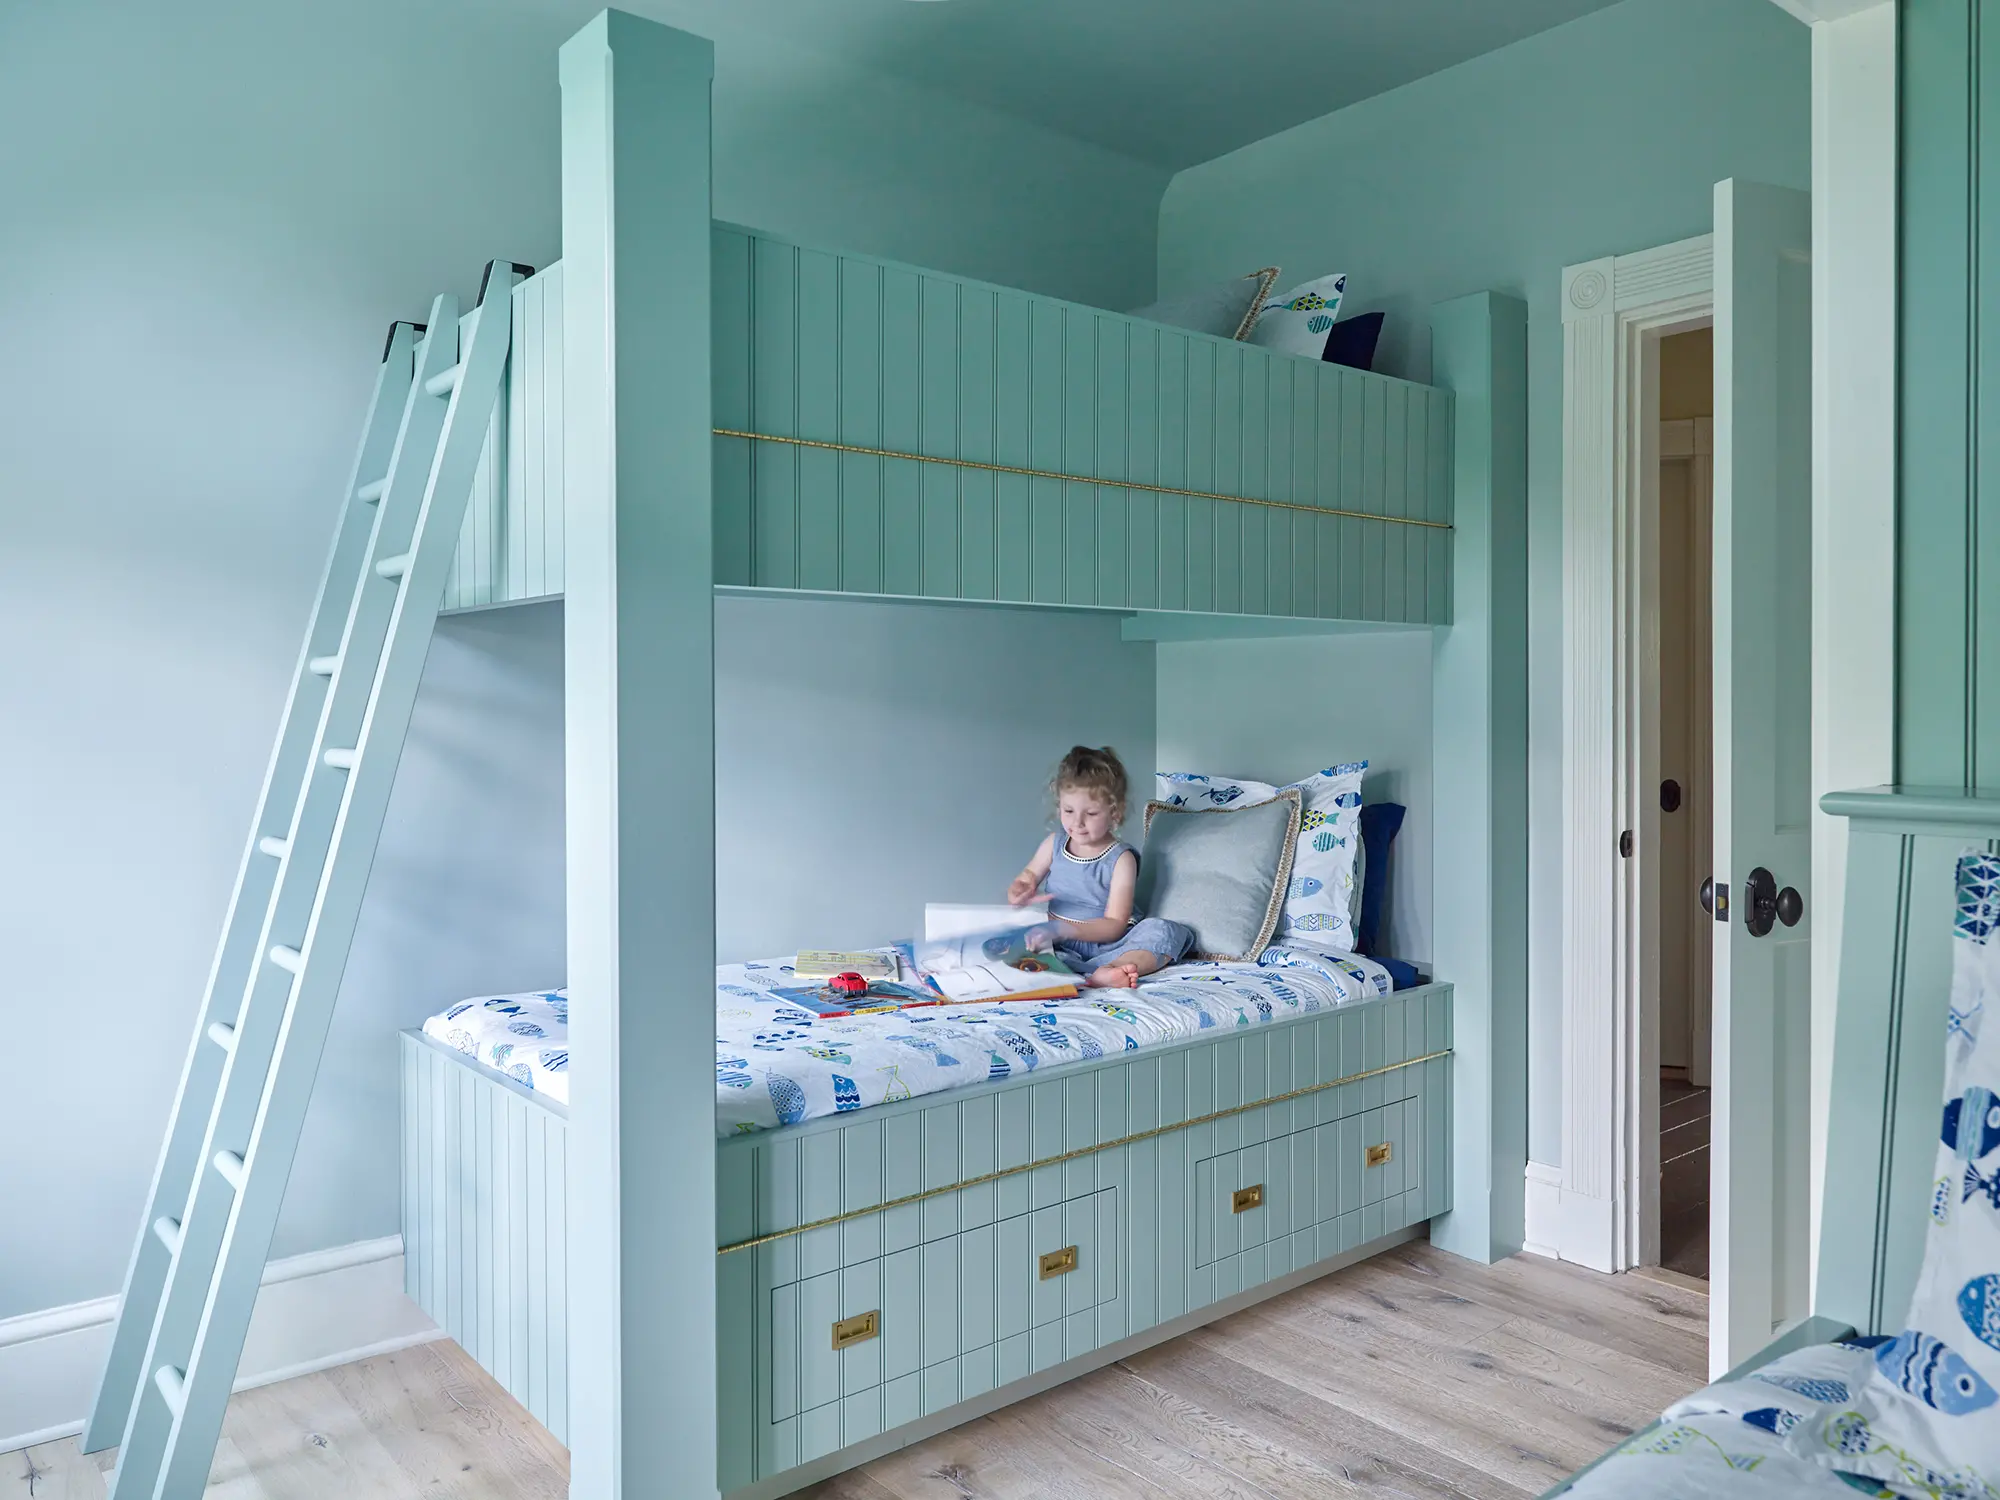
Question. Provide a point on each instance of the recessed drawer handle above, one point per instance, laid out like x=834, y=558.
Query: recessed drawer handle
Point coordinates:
x=1059, y=1262
x=1378, y=1156
x=857, y=1330
x=1245, y=1199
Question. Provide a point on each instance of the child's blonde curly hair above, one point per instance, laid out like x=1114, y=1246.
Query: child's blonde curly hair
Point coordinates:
x=1099, y=771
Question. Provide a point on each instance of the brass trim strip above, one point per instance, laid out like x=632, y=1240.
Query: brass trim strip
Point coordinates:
x=1123, y=484
x=1054, y=1161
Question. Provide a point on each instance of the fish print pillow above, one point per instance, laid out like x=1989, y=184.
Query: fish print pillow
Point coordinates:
x=1299, y=321
x=1320, y=901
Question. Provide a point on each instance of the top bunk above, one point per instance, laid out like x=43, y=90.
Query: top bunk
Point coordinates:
x=888, y=431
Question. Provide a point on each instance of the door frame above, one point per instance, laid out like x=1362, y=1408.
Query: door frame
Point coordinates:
x=1601, y=1207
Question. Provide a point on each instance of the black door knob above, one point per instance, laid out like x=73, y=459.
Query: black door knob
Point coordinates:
x=1708, y=895
x=1670, y=796
x=1791, y=906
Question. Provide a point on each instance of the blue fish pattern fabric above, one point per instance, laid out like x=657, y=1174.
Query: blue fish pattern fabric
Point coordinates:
x=1913, y=1413
x=776, y=1064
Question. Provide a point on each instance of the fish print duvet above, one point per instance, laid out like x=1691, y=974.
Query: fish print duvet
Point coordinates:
x=776, y=1063
x=1910, y=1414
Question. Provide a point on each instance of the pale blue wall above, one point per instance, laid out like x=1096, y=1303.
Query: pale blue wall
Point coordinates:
x=212, y=211
x=1279, y=710
x=1600, y=137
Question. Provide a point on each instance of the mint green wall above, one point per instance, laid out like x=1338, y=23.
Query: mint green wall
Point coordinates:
x=1279, y=710
x=213, y=212
x=1603, y=136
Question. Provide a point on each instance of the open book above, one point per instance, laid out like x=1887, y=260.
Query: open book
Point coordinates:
x=992, y=965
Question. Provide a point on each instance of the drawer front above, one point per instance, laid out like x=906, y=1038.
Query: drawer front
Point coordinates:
x=951, y=1319
x=1263, y=1193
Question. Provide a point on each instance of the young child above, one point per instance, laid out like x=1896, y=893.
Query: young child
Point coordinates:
x=1091, y=879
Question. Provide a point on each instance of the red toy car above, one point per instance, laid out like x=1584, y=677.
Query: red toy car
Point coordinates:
x=851, y=985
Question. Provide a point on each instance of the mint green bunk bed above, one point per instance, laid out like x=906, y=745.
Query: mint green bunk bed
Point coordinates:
x=693, y=408
x=682, y=408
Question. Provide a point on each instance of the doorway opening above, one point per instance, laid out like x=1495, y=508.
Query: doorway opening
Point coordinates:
x=1684, y=709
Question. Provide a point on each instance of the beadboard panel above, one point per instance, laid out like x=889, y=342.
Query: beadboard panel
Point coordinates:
x=485, y=1177
x=851, y=350
x=1948, y=519
x=954, y=1278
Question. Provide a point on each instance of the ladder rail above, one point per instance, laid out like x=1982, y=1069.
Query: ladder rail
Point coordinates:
x=260, y=1000
x=175, y=1169
x=288, y=1000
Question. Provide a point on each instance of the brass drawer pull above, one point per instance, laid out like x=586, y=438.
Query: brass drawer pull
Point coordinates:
x=1245, y=1199
x=858, y=1330
x=1059, y=1262
x=1378, y=1156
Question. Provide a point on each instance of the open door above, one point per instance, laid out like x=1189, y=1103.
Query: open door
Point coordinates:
x=1762, y=606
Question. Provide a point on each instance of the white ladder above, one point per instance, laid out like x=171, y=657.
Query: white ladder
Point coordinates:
x=221, y=1177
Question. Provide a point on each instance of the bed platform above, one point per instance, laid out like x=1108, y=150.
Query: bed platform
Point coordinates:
x=943, y=1256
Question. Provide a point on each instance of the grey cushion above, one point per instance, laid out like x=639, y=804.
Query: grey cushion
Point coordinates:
x=1222, y=871
x=1228, y=309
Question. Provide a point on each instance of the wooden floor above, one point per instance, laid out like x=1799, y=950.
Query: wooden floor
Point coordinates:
x=1414, y=1374
x=1684, y=1120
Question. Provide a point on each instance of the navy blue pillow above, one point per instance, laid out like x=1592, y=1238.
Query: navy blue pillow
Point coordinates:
x=1380, y=822
x=1352, y=341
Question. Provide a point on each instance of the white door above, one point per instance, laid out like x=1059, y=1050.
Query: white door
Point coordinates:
x=1762, y=620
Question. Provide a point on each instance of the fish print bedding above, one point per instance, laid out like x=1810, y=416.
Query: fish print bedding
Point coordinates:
x=1916, y=1413
x=778, y=1064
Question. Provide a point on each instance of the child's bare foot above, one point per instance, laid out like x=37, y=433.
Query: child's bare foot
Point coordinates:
x=1114, y=976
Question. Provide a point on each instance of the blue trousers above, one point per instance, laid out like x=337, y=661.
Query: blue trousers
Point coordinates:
x=1170, y=942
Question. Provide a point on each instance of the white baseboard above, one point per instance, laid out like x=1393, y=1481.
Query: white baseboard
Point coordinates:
x=1563, y=1225
x=314, y=1311
x=1544, y=1211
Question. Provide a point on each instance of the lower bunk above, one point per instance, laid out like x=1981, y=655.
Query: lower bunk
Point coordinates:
x=886, y=1274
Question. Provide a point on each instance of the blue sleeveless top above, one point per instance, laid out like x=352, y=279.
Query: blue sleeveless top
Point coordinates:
x=1079, y=889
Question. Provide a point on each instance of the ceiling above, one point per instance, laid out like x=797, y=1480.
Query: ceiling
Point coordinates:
x=1171, y=82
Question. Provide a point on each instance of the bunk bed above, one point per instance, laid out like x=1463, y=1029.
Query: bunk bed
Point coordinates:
x=689, y=408
x=874, y=429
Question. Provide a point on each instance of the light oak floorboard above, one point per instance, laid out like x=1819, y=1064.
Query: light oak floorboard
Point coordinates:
x=1413, y=1375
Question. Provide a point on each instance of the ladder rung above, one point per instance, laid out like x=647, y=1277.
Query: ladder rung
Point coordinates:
x=444, y=383
x=369, y=493
x=229, y=1166
x=323, y=666
x=172, y=1386
x=223, y=1035
x=393, y=567
x=276, y=848
x=168, y=1232
x=340, y=760
x=287, y=958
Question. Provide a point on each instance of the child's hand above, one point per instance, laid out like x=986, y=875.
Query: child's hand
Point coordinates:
x=1022, y=891
x=1042, y=939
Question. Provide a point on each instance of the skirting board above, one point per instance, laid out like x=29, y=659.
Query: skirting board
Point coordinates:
x=1566, y=1225
x=314, y=1311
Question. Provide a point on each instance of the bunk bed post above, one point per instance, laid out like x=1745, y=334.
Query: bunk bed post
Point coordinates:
x=640, y=757
x=1479, y=351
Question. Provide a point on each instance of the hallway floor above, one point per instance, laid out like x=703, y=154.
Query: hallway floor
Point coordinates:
x=1684, y=1111
x=1414, y=1374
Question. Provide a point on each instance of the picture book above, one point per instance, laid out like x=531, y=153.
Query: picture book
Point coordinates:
x=825, y=963
x=992, y=966
x=824, y=1002
x=944, y=920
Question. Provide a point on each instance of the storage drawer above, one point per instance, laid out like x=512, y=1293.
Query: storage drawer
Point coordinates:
x=871, y=1346
x=1264, y=1192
